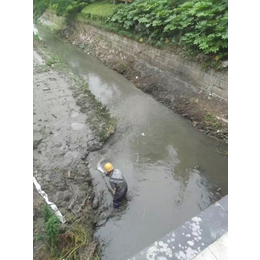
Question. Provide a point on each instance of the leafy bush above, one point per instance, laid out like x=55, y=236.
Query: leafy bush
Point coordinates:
x=47, y=213
x=69, y=8
x=52, y=227
x=39, y=7
x=199, y=25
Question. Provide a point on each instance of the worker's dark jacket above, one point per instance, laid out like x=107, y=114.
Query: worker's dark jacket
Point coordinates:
x=118, y=181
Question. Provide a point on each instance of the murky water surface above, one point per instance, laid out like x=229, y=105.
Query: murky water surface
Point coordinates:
x=173, y=171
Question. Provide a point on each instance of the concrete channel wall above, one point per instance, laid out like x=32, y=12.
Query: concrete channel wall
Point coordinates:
x=191, y=238
x=213, y=82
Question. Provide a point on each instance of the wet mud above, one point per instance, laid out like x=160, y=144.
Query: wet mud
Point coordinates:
x=64, y=133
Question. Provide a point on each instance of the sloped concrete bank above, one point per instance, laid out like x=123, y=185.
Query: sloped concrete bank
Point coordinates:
x=191, y=238
x=196, y=94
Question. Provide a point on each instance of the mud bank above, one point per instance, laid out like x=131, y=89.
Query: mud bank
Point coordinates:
x=206, y=112
x=68, y=124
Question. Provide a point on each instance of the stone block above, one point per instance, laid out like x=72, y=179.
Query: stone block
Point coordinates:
x=163, y=53
x=145, y=52
x=193, y=88
x=179, y=74
x=225, y=77
x=171, y=70
x=115, y=44
x=156, y=51
x=156, y=63
x=151, y=55
x=130, y=44
x=193, y=65
x=163, y=66
x=171, y=63
x=126, y=49
x=137, y=52
x=187, y=74
x=221, y=84
x=202, y=85
x=174, y=57
x=160, y=59
x=186, y=63
x=209, y=79
x=145, y=57
x=196, y=74
x=220, y=92
x=201, y=75
x=187, y=70
x=178, y=65
x=148, y=48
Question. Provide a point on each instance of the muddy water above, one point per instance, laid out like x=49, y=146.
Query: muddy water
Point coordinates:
x=173, y=171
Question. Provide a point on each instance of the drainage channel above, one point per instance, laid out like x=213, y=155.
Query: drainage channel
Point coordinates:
x=173, y=171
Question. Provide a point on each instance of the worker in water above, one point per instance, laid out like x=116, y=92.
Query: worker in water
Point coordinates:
x=118, y=184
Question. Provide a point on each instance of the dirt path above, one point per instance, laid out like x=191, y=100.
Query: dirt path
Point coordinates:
x=65, y=131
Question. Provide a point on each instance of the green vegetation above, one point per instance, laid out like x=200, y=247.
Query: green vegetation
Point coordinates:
x=36, y=37
x=101, y=9
x=193, y=26
x=47, y=213
x=39, y=7
x=66, y=244
x=211, y=121
x=215, y=128
x=102, y=123
x=52, y=228
x=56, y=63
x=68, y=8
x=197, y=25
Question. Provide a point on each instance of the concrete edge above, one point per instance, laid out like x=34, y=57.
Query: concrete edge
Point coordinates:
x=191, y=238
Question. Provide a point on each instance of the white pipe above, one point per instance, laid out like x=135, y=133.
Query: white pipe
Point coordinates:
x=52, y=205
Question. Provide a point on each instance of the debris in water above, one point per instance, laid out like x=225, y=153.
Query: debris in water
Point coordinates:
x=143, y=134
x=137, y=157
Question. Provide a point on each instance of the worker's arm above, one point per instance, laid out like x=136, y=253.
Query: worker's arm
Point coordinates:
x=113, y=185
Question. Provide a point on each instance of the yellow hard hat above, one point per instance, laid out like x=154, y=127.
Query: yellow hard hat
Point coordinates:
x=108, y=167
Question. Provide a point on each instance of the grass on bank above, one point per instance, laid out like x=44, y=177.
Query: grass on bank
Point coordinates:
x=97, y=13
x=101, y=8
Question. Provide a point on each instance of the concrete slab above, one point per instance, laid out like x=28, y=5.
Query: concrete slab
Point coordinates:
x=193, y=237
x=220, y=248
x=216, y=251
x=205, y=255
x=224, y=203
